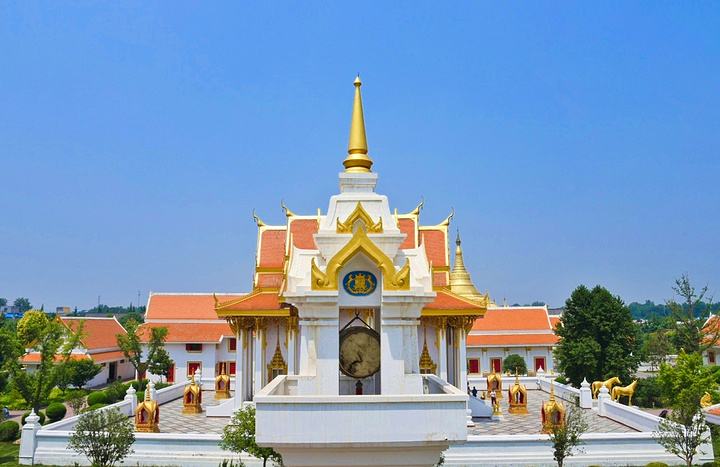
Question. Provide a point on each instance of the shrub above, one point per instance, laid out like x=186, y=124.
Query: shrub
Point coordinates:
x=514, y=363
x=140, y=385
x=161, y=385
x=561, y=379
x=656, y=464
x=9, y=430
x=140, y=395
x=115, y=392
x=56, y=411
x=97, y=397
x=105, y=437
x=99, y=405
x=40, y=414
x=648, y=393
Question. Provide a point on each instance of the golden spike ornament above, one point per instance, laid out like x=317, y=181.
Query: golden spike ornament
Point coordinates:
x=357, y=160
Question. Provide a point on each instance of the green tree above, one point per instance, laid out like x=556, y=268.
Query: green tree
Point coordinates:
x=683, y=384
x=566, y=438
x=23, y=304
x=80, y=372
x=3, y=301
x=131, y=345
x=105, y=436
x=683, y=432
x=598, y=338
x=239, y=436
x=514, y=363
x=656, y=348
x=53, y=342
x=686, y=313
x=159, y=362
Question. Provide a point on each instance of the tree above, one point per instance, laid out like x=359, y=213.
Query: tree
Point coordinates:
x=683, y=432
x=76, y=401
x=514, y=363
x=23, y=304
x=125, y=317
x=656, y=348
x=689, y=332
x=3, y=301
x=53, y=342
x=131, y=346
x=239, y=436
x=105, y=436
x=566, y=438
x=159, y=362
x=598, y=338
x=683, y=384
x=80, y=372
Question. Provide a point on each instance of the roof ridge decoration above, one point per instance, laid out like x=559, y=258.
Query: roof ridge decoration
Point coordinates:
x=288, y=212
x=357, y=160
x=361, y=215
x=259, y=222
x=393, y=279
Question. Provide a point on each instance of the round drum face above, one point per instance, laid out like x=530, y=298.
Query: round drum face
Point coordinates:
x=359, y=352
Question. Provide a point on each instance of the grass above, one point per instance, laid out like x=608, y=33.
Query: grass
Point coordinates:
x=9, y=455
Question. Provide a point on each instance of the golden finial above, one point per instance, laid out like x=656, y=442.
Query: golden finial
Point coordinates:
x=460, y=281
x=257, y=219
x=357, y=159
x=287, y=210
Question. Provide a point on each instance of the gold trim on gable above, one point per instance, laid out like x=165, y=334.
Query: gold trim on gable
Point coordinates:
x=359, y=214
x=393, y=279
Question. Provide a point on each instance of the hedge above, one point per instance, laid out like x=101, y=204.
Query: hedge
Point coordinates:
x=97, y=397
x=40, y=414
x=94, y=407
x=9, y=430
x=56, y=411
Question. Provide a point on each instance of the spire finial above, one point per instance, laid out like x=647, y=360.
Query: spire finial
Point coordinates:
x=357, y=159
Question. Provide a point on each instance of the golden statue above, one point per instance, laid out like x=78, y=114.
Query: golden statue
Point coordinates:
x=629, y=390
x=608, y=384
x=494, y=383
x=222, y=383
x=706, y=400
x=552, y=413
x=192, y=397
x=147, y=413
x=517, y=397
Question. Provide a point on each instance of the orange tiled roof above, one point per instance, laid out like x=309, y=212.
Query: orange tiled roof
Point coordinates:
x=269, y=280
x=446, y=300
x=272, y=248
x=258, y=301
x=511, y=339
x=513, y=319
x=302, y=231
x=34, y=357
x=184, y=306
x=407, y=226
x=98, y=333
x=554, y=321
x=440, y=279
x=101, y=357
x=189, y=332
x=435, y=247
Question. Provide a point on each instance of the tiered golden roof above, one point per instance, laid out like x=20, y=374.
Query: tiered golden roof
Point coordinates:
x=222, y=383
x=460, y=281
x=277, y=365
x=192, y=397
x=517, y=397
x=357, y=160
x=427, y=366
x=147, y=413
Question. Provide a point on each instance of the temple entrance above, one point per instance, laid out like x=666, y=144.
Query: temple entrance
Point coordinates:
x=359, y=351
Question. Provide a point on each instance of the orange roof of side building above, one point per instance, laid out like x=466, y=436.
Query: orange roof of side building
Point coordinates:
x=513, y=326
x=202, y=333
x=554, y=321
x=178, y=306
x=97, y=333
x=447, y=302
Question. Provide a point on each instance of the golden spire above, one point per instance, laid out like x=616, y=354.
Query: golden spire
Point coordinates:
x=460, y=281
x=357, y=159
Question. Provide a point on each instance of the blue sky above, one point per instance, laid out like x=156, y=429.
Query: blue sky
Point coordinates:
x=577, y=143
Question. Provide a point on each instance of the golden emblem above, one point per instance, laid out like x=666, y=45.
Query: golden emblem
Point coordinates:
x=360, y=283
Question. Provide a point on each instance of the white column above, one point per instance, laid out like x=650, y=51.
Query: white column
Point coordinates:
x=291, y=349
x=462, y=364
x=258, y=358
x=240, y=370
x=442, y=351
x=319, y=343
x=585, y=395
x=28, y=440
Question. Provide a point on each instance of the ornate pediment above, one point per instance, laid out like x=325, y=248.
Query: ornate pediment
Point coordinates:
x=359, y=217
x=393, y=279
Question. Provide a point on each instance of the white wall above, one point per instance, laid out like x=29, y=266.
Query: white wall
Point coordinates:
x=485, y=354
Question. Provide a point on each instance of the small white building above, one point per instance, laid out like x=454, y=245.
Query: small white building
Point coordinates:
x=98, y=343
x=527, y=331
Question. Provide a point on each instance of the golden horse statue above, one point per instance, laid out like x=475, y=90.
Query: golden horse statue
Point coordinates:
x=628, y=391
x=608, y=384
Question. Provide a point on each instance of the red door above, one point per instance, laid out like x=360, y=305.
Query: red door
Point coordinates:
x=171, y=374
x=496, y=365
x=540, y=363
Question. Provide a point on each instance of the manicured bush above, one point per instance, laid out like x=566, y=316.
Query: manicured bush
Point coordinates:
x=514, y=363
x=94, y=407
x=161, y=385
x=115, y=392
x=9, y=430
x=97, y=397
x=55, y=411
x=40, y=414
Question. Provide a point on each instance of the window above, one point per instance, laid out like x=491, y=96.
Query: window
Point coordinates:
x=232, y=344
x=711, y=357
x=473, y=365
x=496, y=364
x=171, y=374
x=192, y=366
x=193, y=347
x=232, y=368
x=540, y=363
